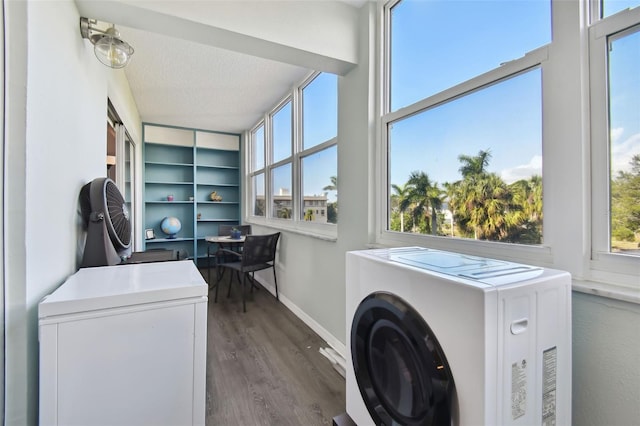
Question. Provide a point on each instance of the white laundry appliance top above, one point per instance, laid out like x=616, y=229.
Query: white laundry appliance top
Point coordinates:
x=491, y=272
x=106, y=287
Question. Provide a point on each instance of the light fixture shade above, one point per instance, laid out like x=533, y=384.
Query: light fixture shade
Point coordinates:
x=113, y=52
x=108, y=47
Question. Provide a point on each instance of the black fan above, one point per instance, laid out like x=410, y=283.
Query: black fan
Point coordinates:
x=106, y=218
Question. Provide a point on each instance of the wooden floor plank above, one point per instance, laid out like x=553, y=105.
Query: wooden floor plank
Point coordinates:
x=264, y=366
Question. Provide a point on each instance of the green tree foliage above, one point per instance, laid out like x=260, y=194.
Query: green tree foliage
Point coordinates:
x=426, y=198
x=482, y=204
x=332, y=208
x=332, y=212
x=400, y=203
x=625, y=203
x=333, y=186
x=308, y=215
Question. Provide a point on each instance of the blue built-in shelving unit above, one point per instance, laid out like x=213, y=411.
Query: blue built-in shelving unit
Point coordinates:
x=189, y=164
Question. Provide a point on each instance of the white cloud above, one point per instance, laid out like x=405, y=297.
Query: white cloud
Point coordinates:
x=524, y=171
x=616, y=133
x=622, y=152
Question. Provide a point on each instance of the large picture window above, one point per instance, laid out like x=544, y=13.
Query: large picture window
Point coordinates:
x=499, y=140
x=615, y=126
x=472, y=167
x=463, y=125
x=301, y=173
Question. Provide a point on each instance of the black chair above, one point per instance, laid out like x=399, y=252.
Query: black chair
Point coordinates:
x=258, y=253
x=225, y=231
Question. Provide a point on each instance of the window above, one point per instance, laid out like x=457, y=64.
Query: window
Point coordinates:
x=615, y=120
x=257, y=149
x=319, y=182
x=282, y=132
x=257, y=183
x=611, y=7
x=302, y=172
x=464, y=122
x=319, y=110
x=282, y=206
x=437, y=44
x=474, y=124
x=257, y=172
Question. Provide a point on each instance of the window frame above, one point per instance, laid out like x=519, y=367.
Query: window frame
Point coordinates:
x=567, y=115
x=325, y=231
x=535, y=58
x=604, y=264
x=252, y=173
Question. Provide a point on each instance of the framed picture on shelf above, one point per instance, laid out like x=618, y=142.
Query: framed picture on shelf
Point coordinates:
x=149, y=234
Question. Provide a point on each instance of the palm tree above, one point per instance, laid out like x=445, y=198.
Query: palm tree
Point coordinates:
x=427, y=198
x=481, y=200
x=333, y=186
x=308, y=215
x=332, y=208
x=473, y=166
x=402, y=200
x=528, y=195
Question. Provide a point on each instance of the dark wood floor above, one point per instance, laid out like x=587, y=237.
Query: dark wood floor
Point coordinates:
x=263, y=366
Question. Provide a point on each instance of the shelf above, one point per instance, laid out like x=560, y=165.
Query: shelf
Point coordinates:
x=189, y=164
x=169, y=202
x=169, y=240
x=156, y=182
x=217, y=202
x=227, y=185
x=205, y=166
x=158, y=163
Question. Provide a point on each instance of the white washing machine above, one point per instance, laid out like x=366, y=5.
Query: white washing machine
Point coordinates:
x=440, y=338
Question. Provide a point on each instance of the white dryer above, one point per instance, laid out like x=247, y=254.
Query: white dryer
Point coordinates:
x=440, y=338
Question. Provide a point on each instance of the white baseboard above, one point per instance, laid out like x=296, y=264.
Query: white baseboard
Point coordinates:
x=331, y=340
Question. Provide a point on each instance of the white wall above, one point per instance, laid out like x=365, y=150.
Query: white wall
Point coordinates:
x=606, y=351
x=56, y=122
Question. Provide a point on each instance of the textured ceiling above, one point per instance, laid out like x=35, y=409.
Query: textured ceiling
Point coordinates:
x=183, y=83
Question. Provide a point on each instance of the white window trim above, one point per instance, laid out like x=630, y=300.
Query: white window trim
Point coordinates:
x=324, y=231
x=609, y=275
x=621, y=269
x=542, y=255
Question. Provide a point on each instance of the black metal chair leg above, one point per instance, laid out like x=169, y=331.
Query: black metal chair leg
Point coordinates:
x=215, y=300
x=209, y=266
x=244, y=303
x=230, y=284
x=275, y=280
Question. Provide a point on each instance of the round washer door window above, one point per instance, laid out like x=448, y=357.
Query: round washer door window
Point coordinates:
x=401, y=370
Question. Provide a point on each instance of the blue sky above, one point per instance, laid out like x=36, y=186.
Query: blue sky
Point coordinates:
x=430, y=55
x=624, y=87
x=320, y=115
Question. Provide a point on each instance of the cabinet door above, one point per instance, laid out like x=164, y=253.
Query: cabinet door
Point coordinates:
x=129, y=367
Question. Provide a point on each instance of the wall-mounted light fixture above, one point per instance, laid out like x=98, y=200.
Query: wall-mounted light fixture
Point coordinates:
x=107, y=45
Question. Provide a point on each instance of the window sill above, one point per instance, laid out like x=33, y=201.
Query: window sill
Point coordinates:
x=325, y=232
x=631, y=295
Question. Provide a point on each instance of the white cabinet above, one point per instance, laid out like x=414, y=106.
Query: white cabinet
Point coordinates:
x=124, y=345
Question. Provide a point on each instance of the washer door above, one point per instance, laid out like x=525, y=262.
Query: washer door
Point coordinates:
x=401, y=370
